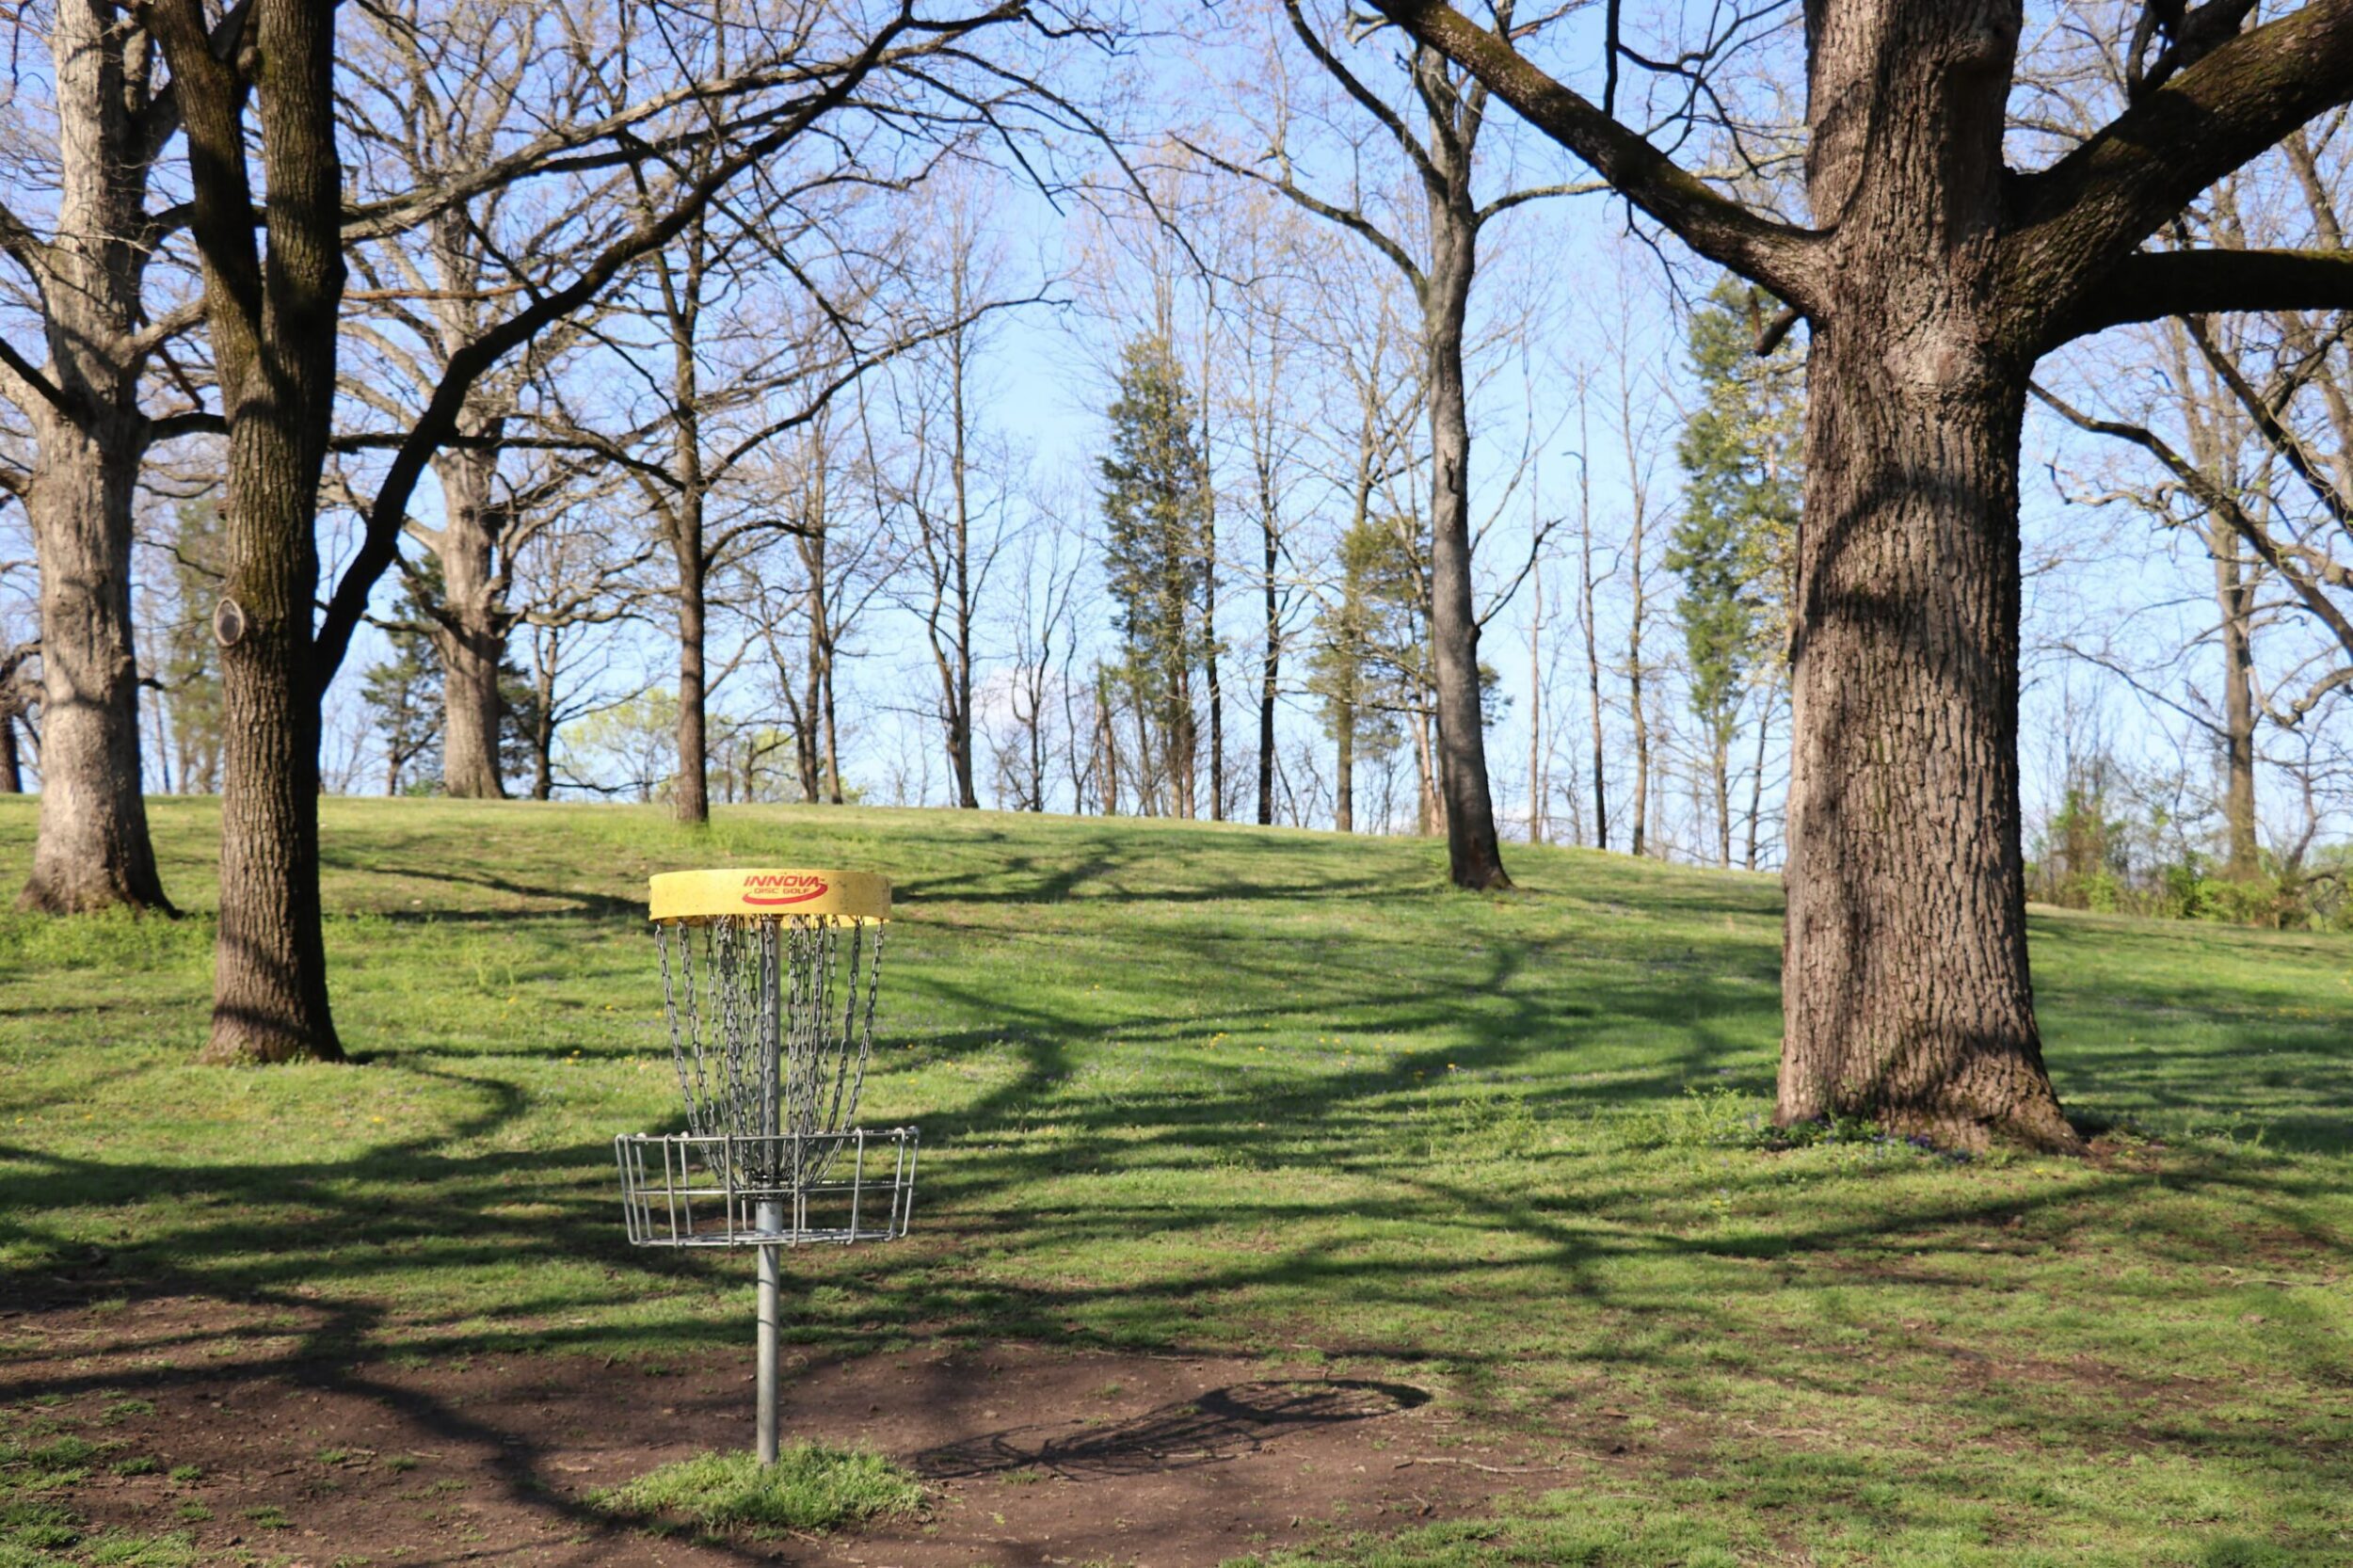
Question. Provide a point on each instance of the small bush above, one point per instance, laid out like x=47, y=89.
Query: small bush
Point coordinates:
x=812, y=1486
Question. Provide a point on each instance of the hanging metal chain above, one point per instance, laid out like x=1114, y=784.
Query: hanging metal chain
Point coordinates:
x=762, y=1051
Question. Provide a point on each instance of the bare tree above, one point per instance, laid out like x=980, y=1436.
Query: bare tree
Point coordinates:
x=1635, y=415
x=2246, y=433
x=105, y=310
x=810, y=590
x=1439, y=258
x=1043, y=628
x=272, y=315
x=1934, y=281
x=1362, y=334
x=437, y=91
x=1266, y=385
x=949, y=497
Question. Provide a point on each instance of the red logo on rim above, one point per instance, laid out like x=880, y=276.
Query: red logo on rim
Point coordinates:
x=790, y=887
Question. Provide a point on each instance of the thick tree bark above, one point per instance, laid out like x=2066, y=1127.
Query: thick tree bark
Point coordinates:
x=470, y=623
x=1905, y=975
x=1905, y=982
x=273, y=332
x=91, y=850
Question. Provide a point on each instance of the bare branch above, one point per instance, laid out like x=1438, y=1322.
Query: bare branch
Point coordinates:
x=2079, y=220
x=2150, y=284
x=1772, y=253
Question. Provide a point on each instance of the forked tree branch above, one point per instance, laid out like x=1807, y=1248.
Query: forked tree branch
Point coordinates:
x=387, y=515
x=2307, y=577
x=2079, y=220
x=1763, y=249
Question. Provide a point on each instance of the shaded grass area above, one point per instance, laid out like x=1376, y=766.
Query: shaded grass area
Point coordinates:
x=1191, y=1088
x=811, y=1486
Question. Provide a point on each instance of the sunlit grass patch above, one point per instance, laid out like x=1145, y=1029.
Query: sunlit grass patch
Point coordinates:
x=811, y=1486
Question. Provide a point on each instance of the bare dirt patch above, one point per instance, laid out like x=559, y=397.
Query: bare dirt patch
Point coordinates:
x=1032, y=1455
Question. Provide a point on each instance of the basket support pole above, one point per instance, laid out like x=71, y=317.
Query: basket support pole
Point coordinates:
x=771, y=1221
x=771, y=1213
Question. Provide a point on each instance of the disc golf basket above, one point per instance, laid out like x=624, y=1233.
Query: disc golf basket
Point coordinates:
x=769, y=979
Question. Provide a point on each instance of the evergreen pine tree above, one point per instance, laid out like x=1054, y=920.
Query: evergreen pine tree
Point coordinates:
x=1359, y=664
x=1737, y=535
x=403, y=692
x=1154, y=510
x=191, y=672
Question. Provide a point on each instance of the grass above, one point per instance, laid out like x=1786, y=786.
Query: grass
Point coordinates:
x=1186, y=1088
x=811, y=1486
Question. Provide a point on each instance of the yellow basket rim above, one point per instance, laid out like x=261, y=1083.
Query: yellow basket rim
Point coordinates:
x=780, y=892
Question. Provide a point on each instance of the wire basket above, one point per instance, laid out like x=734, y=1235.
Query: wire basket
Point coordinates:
x=726, y=1190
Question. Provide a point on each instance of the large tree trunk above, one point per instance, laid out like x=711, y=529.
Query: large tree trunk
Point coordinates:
x=470, y=629
x=1474, y=855
x=1905, y=983
x=272, y=338
x=1905, y=976
x=91, y=849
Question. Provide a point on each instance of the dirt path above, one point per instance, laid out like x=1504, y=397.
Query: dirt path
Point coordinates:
x=1032, y=1455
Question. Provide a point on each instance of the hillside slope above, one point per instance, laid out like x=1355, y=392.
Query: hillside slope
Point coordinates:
x=1190, y=1089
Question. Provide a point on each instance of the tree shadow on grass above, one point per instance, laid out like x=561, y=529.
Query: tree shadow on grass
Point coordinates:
x=1304, y=1189
x=1222, y=1424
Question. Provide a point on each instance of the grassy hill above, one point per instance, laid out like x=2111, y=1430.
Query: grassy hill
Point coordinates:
x=1186, y=1087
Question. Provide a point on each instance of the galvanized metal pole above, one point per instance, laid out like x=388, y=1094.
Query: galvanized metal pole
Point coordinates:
x=771, y=1220
x=771, y=1213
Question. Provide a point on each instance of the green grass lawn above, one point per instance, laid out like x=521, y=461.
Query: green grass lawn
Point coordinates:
x=1188, y=1087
